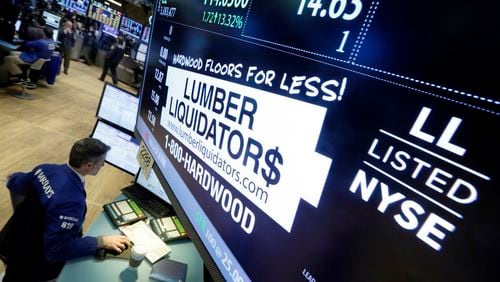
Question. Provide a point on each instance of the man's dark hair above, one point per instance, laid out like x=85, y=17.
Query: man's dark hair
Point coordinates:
x=87, y=150
x=48, y=32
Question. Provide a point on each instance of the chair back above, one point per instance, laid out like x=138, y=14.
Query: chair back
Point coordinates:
x=38, y=64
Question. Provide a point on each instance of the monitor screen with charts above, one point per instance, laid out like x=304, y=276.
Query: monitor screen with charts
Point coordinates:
x=345, y=140
x=124, y=146
x=118, y=107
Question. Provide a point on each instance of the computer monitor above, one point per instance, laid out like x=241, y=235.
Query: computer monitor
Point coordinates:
x=78, y=6
x=141, y=57
x=124, y=146
x=145, y=34
x=102, y=13
x=328, y=140
x=152, y=184
x=51, y=19
x=17, y=25
x=110, y=30
x=118, y=107
x=55, y=35
x=142, y=48
x=131, y=27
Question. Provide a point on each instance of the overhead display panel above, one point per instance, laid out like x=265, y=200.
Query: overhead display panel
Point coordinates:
x=343, y=140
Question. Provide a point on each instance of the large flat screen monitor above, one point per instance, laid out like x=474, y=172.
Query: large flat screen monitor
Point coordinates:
x=329, y=140
x=124, y=146
x=131, y=27
x=102, y=13
x=118, y=106
x=51, y=19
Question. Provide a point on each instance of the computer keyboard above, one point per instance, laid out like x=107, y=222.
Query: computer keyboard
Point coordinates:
x=141, y=233
x=168, y=228
x=148, y=201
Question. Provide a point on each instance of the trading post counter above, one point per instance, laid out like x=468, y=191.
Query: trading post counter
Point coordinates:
x=116, y=269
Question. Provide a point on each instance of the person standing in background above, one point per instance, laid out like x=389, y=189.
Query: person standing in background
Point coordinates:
x=67, y=39
x=88, y=43
x=113, y=58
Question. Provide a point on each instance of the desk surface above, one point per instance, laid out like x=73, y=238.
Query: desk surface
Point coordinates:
x=114, y=269
x=7, y=45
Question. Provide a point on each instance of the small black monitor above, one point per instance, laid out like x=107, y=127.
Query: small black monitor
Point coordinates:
x=124, y=146
x=118, y=107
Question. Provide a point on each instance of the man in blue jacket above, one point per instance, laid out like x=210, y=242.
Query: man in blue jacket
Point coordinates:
x=46, y=228
x=41, y=48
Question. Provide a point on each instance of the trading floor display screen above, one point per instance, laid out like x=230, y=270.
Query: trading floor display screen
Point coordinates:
x=79, y=6
x=345, y=140
x=102, y=13
x=131, y=27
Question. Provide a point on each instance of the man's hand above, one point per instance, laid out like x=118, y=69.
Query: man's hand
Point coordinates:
x=116, y=243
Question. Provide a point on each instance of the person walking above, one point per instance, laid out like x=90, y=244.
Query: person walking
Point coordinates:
x=88, y=43
x=67, y=39
x=113, y=58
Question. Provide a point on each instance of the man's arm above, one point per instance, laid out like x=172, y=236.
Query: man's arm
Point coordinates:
x=63, y=238
x=18, y=185
x=16, y=199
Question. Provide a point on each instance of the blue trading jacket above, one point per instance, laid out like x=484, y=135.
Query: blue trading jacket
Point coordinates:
x=42, y=48
x=62, y=195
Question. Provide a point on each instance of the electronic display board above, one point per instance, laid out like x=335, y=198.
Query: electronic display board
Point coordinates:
x=79, y=6
x=344, y=140
x=102, y=13
x=131, y=27
x=145, y=34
